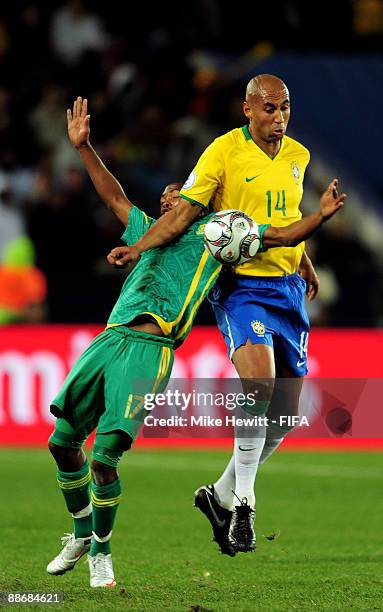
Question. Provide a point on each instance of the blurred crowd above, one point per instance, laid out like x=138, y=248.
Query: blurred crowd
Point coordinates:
x=161, y=86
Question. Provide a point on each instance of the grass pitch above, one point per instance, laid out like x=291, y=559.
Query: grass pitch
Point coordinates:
x=319, y=530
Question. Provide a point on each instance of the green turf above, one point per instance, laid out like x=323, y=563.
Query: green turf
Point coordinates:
x=325, y=509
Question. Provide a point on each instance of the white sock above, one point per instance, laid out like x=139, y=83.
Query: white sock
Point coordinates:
x=225, y=486
x=247, y=452
x=274, y=437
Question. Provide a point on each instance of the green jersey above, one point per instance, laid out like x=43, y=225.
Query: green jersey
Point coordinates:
x=170, y=282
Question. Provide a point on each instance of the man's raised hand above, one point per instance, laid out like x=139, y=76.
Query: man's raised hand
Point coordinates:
x=78, y=123
x=330, y=201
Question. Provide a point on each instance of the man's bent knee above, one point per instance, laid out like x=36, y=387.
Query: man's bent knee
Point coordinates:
x=68, y=459
x=254, y=361
x=103, y=474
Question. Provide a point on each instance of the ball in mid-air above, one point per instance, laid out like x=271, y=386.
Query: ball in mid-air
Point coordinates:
x=232, y=237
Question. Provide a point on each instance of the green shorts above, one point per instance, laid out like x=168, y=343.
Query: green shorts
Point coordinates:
x=106, y=386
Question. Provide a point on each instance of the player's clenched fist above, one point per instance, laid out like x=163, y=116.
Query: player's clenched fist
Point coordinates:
x=120, y=256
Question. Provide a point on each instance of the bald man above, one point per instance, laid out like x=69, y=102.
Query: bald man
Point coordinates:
x=259, y=305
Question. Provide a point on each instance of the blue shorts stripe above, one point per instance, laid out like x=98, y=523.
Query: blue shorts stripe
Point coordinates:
x=231, y=345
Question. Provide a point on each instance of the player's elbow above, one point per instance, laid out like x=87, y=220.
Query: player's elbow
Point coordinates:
x=288, y=238
x=185, y=214
x=291, y=241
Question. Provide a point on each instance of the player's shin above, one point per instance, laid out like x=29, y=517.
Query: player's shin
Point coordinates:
x=105, y=500
x=250, y=434
x=274, y=437
x=75, y=488
x=247, y=453
x=285, y=403
x=106, y=488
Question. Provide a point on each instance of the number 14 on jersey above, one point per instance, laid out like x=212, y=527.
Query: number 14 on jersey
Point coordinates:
x=276, y=201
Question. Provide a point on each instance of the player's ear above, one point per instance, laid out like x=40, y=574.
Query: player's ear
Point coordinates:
x=246, y=110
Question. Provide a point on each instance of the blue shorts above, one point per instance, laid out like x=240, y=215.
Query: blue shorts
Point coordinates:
x=265, y=310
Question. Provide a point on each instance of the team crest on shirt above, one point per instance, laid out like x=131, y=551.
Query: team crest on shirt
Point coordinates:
x=258, y=328
x=295, y=171
x=190, y=181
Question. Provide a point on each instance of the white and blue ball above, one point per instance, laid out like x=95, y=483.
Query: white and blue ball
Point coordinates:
x=232, y=237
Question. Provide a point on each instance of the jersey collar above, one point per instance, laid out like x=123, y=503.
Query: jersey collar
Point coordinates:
x=248, y=136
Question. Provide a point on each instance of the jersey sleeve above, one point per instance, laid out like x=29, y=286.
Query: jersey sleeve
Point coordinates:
x=138, y=224
x=262, y=227
x=206, y=176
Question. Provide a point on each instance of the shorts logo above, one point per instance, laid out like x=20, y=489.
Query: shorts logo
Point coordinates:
x=200, y=229
x=295, y=171
x=190, y=181
x=258, y=328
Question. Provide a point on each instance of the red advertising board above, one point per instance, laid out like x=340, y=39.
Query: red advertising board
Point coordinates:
x=34, y=361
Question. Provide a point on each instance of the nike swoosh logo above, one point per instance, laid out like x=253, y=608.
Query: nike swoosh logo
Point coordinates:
x=300, y=363
x=219, y=522
x=246, y=449
x=248, y=180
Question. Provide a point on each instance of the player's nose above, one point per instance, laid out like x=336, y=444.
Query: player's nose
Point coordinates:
x=170, y=201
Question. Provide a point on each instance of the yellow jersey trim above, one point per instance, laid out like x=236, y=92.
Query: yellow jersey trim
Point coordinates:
x=192, y=201
x=162, y=324
x=196, y=305
x=248, y=136
x=167, y=327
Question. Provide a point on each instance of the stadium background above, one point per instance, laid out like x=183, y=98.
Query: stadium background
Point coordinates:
x=162, y=82
x=161, y=86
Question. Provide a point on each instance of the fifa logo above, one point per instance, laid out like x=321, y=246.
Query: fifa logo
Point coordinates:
x=258, y=328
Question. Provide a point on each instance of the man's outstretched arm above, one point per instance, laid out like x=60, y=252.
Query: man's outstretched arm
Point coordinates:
x=289, y=236
x=107, y=186
x=166, y=228
x=293, y=234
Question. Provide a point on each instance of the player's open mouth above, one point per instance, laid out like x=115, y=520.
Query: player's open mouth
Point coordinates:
x=279, y=132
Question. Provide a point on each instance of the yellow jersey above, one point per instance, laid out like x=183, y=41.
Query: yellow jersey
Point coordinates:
x=234, y=172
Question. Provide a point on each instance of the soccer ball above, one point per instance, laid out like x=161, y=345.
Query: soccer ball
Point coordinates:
x=232, y=237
